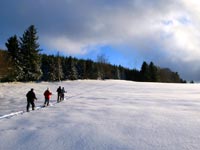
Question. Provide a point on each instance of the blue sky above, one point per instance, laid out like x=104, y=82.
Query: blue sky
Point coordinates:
x=127, y=32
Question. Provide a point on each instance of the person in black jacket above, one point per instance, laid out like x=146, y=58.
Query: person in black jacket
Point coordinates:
x=59, y=91
x=30, y=99
x=63, y=94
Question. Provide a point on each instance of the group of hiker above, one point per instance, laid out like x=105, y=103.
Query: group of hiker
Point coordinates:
x=31, y=97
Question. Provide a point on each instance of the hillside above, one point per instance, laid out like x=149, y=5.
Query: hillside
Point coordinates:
x=102, y=115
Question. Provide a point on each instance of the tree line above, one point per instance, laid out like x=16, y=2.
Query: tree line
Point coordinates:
x=22, y=61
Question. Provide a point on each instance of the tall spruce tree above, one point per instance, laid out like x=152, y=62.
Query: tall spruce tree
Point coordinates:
x=145, y=76
x=72, y=71
x=102, y=66
x=48, y=68
x=30, y=53
x=16, y=58
x=91, y=70
x=59, y=69
x=13, y=47
x=153, y=71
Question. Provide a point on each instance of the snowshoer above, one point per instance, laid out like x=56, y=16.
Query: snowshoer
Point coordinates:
x=63, y=93
x=47, y=95
x=59, y=91
x=30, y=99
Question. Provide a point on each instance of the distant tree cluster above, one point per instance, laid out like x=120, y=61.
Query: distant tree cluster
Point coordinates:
x=152, y=73
x=23, y=62
x=56, y=68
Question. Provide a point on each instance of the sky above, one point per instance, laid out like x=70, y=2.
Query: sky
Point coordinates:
x=127, y=32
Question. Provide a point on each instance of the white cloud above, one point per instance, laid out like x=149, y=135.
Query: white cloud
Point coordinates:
x=164, y=33
x=65, y=45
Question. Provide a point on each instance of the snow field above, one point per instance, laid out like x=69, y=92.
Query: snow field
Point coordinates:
x=103, y=115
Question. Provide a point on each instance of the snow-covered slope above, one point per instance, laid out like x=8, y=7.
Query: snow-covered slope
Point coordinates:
x=102, y=115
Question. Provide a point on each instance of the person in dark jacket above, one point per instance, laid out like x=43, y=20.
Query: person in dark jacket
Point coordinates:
x=59, y=91
x=30, y=99
x=63, y=94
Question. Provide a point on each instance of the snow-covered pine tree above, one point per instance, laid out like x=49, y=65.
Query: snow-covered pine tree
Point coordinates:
x=59, y=69
x=145, y=76
x=102, y=66
x=72, y=71
x=91, y=70
x=153, y=71
x=30, y=53
x=15, y=55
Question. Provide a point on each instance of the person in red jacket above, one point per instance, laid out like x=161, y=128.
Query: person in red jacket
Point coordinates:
x=47, y=96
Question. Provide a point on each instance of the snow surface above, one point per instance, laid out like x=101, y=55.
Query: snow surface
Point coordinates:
x=102, y=115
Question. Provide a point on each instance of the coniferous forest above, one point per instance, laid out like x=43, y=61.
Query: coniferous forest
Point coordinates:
x=23, y=61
